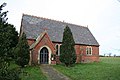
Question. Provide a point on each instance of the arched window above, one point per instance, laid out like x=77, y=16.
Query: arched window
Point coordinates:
x=57, y=47
x=89, y=50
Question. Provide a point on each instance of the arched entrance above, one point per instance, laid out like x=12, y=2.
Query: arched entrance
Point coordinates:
x=44, y=56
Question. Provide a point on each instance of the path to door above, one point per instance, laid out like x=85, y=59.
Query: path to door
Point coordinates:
x=52, y=73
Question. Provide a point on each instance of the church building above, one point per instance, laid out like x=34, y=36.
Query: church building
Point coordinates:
x=45, y=36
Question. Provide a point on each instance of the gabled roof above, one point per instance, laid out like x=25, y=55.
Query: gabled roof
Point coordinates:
x=39, y=38
x=32, y=26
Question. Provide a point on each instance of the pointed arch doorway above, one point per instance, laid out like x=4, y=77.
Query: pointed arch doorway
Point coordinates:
x=44, y=58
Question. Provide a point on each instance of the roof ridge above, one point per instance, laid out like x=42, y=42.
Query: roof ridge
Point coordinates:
x=55, y=20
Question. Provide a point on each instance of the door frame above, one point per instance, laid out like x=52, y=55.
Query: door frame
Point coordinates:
x=49, y=54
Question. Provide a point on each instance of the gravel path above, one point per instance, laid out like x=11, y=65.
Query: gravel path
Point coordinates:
x=52, y=73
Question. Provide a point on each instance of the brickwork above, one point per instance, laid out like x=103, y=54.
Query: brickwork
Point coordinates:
x=80, y=51
x=44, y=41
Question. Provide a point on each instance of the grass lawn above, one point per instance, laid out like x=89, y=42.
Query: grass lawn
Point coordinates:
x=107, y=69
x=30, y=73
x=33, y=73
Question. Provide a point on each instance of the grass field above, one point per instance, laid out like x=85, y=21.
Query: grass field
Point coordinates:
x=33, y=73
x=107, y=69
x=30, y=72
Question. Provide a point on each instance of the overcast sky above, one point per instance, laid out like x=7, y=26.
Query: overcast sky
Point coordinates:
x=101, y=16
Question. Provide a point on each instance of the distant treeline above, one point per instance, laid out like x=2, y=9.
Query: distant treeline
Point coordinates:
x=108, y=56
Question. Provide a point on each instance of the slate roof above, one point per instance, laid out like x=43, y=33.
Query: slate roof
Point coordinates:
x=33, y=26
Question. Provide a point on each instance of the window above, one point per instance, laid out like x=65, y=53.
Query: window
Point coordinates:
x=57, y=49
x=89, y=50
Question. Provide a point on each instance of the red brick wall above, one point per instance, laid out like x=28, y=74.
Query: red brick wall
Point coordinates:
x=45, y=41
x=81, y=54
x=83, y=57
x=80, y=51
